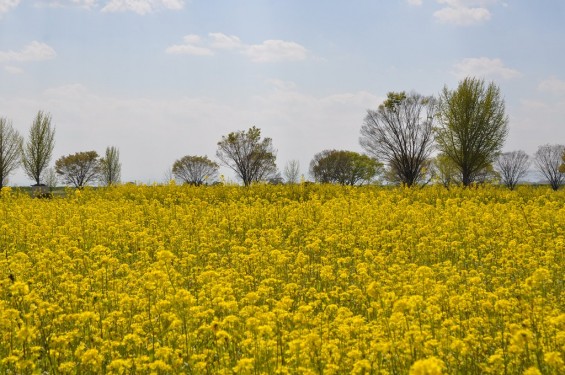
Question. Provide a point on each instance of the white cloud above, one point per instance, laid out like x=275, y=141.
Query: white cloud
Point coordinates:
x=280, y=84
x=275, y=51
x=484, y=67
x=532, y=104
x=463, y=16
x=414, y=2
x=464, y=12
x=190, y=47
x=552, y=85
x=142, y=6
x=267, y=52
x=223, y=41
x=13, y=70
x=35, y=51
x=7, y=5
x=87, y=4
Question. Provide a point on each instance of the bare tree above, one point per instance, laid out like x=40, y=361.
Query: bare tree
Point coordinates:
x=10, y=146
x=51, y=178
x=472, y=126
x=249, y=156
x=37, y=151
x=195, y=170
x=110, y=167
x=292, y=171
x=548, y=160
x=168, y=176
x=400, y=134
x=78, y=169
x=512, y=167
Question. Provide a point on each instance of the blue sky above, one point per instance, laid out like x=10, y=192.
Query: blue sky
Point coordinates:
x=161, y=79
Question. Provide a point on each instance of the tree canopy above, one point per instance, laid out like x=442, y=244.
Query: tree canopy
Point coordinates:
x=400, y=134
x=473, y=126
x=195, y=170
x=38, y=150
x=548, y=159
x=78, y=169
x=10, y=146
x=110, y=168
x=512, y=166
x=343, y=167
x=251, y=157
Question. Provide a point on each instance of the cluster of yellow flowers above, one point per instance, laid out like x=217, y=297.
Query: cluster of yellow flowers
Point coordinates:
x=283, y=279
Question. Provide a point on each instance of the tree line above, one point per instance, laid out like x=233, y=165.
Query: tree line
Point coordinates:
x=35, y=154
x=467, y=126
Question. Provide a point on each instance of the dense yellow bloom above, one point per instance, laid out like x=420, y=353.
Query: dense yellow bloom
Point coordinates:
x=283, y=280
x=428, y=366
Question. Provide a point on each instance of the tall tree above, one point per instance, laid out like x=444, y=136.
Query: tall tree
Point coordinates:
x=37, y=151
x=548, y=162
x=400, y=134
x=110, y=168
x=512, y=166
x=343, y=167
x=195, y=170
x=249, y=156
x=78, y=169
x=472, y=126
x=10, y=146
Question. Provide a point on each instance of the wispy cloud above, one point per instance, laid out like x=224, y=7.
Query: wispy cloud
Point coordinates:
x=484, y=67
x=552, y=85
x=464, y=12
x=223, y=41
x=7, y=5
x=86, y=4
x=275, y=51
x=190, y=47
x=35, y=51
x=268, y=51
x=142, y=6
x=414, y=2
x=13, y=70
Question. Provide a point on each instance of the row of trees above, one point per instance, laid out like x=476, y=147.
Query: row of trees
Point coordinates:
x=35, y=154
x=467, y=126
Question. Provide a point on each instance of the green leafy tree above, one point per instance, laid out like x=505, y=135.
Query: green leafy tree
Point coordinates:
x=472, y=126
x=38, y=150
x=562, y=166
x=343, y=167
x=78, y=169
x=10, y=146
x=195, y=170
x=248, y=155
x=400, y=134
x=110, y=171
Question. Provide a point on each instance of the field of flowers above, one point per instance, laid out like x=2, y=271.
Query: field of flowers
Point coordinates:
x=283, y=279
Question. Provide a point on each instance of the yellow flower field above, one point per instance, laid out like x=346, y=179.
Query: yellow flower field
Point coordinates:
x=301, y=279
